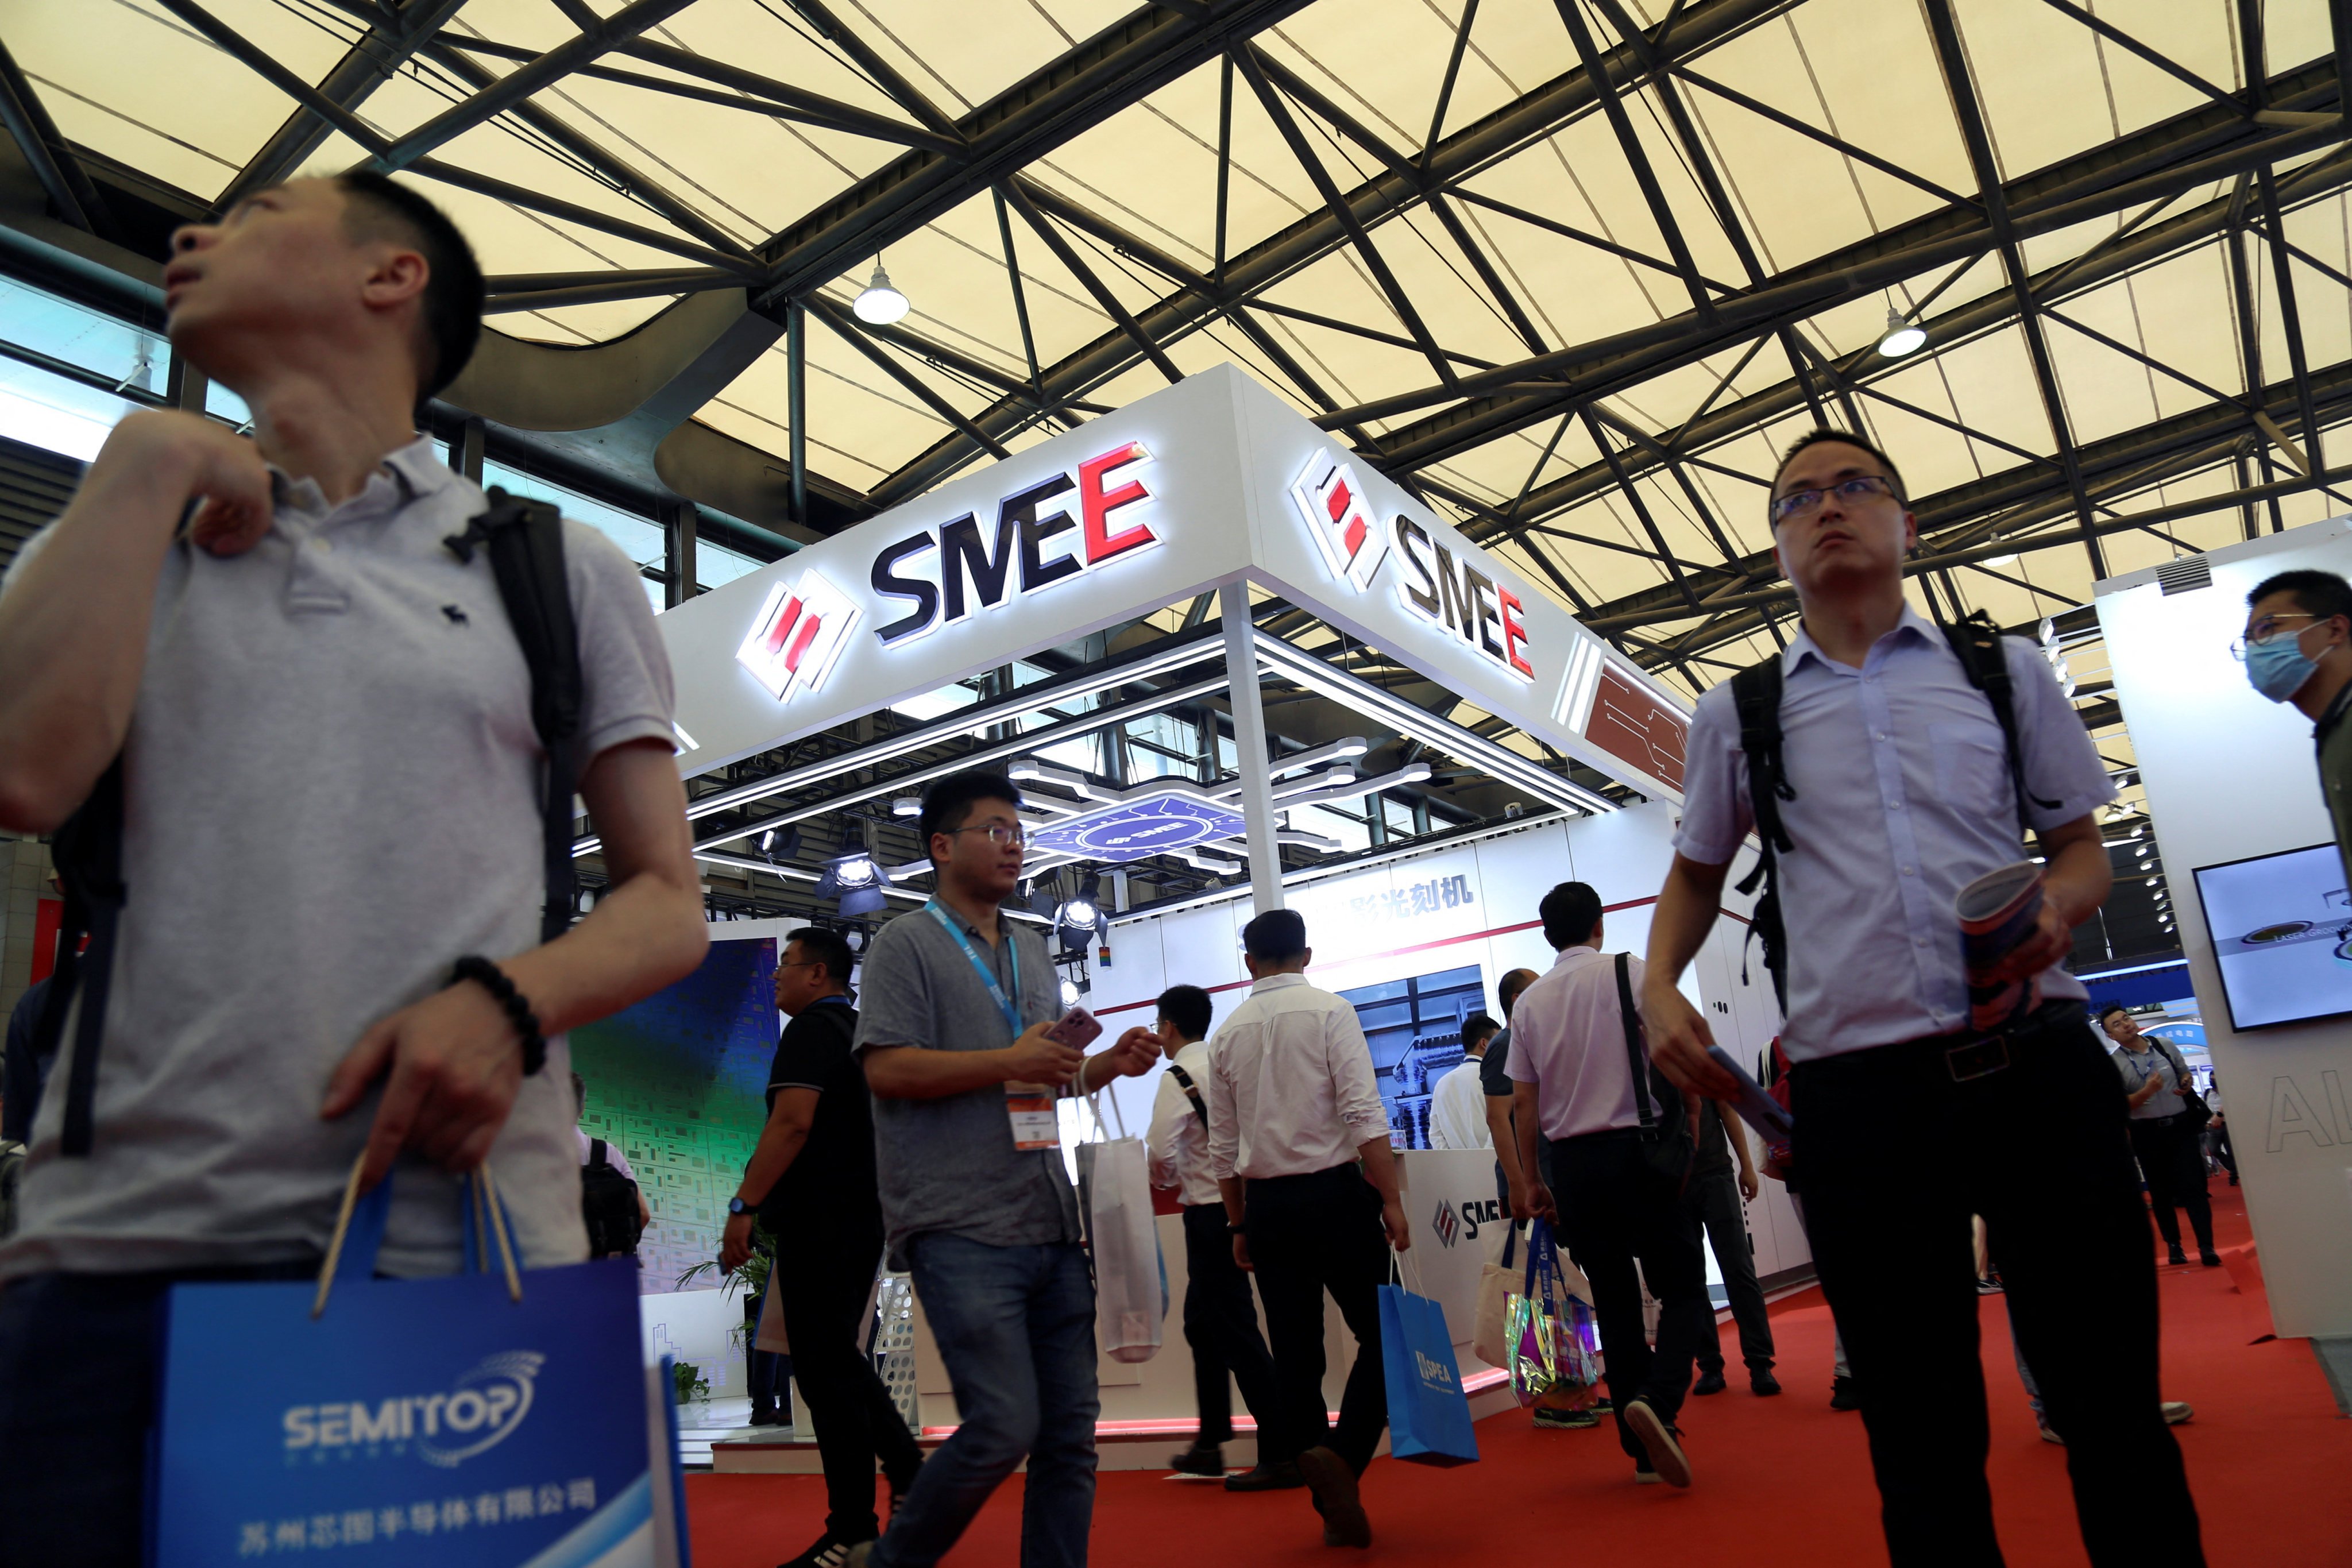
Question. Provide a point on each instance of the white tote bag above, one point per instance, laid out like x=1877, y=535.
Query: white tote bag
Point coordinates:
x=1130, y=1281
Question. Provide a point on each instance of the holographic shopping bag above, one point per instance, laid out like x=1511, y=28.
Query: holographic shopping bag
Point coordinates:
x=1554, y=1339
x=489, y=1419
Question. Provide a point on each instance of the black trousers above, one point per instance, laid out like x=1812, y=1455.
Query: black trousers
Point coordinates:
x=1899, y=1146
x=825, y=1263
x=2171, y=1155
x=1308, y=1235
x=1221, y=1329
x=1615, y=1207
x=1713, y=1199
x=2217, y=1138
x=768, y=1375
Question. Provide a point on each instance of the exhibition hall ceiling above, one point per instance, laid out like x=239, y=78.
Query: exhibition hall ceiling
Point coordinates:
x=1576, y=269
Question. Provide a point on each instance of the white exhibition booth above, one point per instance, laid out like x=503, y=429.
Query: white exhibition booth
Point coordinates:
x=1216, y=485
x=2229, y=776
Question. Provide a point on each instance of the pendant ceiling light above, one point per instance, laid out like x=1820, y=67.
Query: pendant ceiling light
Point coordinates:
x=880, y=304
x=1902, y=337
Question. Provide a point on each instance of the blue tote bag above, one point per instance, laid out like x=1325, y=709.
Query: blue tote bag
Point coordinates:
x=1429, y=1416
x=491, y=1419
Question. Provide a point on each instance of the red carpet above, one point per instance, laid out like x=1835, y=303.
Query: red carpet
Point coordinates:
x=1780, y=1482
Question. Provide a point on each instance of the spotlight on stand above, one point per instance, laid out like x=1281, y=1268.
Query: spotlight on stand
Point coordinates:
x=880, y=304
x=780, y=845
x=1902, y=337
x=855, y=881
x=1070, y=994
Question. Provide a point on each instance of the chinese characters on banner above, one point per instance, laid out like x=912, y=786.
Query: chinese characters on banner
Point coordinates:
x=1414, y=899
x=362, y=1527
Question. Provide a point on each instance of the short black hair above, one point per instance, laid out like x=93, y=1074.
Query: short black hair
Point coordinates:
x=1817, y=438
x=379, y=207
x=1189, y=1008
x=2101, y=1017
x=1479, y=1028
x=830, y=948
x=1569, y=912
x=947, y=804
x=2320, y=593
x=1508, y=989
x=1277, y=936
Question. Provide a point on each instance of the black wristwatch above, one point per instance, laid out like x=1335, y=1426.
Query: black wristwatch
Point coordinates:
x=737, y=1205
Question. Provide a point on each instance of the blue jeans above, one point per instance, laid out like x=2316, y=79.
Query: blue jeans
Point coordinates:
x=1015, y=1326
x=79, y=1356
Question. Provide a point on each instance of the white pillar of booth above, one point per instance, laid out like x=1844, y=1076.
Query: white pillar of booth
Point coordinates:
x=1249, y=747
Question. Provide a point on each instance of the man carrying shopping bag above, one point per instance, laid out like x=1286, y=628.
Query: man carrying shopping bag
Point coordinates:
x=955, y=1040
x=299, y=728
x=1299, y=1143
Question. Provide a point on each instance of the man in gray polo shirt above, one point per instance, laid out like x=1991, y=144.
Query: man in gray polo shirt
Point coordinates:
x=975, y=1195
x=331, y=783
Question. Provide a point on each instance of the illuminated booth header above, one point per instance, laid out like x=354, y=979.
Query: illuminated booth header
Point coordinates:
x=1213, y=482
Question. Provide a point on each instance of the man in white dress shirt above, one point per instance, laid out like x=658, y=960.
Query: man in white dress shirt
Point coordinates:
x=1457, y=1106
x=1220, y=1313
x=1298, y=1141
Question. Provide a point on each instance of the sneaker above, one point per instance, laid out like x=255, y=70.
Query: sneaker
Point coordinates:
x=1642, y=1477
x=860, y=1555
x=1279, y=1476
x=2049, y=1434
x=1333, y=1487
x=1666, y=1456
x=2177, y=1256
x=1549, y=1420
x=829, y=1552
x=899, y=1489
x=1990, y=1285
x=1199, y=1459
x=1843, y=1395
x=2176, y=1411
x=1709, y=1382
x=1603, y=1406
x=2210, y=1258
x=1762, y=1383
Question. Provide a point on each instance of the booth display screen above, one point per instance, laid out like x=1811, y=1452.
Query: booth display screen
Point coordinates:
x=1415, y=1027
x=2282, y=932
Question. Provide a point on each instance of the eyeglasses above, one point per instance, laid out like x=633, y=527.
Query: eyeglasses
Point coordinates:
x=998, y=833
x=2267, y=630
x=1804, y=503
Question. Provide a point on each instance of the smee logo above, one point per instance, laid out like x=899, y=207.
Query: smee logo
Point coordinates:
x=1476, y=1212
x=1445, y=1224
x=1332, y=503
x=945, y=574
x=480, y=1410
x=799, y=633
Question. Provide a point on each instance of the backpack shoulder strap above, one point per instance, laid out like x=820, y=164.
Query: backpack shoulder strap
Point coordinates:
x=1191, y=1092
x=596, y=1160
x=88, y=852
x=1975, y=643
x=525, y=539
x=1755, y=696
x=1636, y=1061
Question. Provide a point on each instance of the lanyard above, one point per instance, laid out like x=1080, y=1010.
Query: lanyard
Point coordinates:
x=1010, y=1008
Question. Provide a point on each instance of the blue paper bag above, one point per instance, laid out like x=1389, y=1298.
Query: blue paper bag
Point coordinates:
x=1429, y=1416
x=415, y=1421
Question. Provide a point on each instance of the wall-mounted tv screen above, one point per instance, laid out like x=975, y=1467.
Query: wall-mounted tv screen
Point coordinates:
x=1415, y=1028
x=2281, y=930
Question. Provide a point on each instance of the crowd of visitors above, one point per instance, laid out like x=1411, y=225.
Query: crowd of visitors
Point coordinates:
x=213, y=615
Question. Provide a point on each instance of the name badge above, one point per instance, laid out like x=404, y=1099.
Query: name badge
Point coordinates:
x=1036, y=1123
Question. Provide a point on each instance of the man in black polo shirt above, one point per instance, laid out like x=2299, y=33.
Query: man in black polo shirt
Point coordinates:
x=811, y=1181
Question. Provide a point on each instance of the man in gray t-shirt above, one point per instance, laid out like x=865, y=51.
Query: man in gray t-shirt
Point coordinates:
x=332, y=785
x=958, y=1001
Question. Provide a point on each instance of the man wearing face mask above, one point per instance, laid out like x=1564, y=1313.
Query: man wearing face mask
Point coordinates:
x=2298, y=627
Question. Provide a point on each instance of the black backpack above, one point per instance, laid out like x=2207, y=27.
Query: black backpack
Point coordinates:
x=525, y=539
x=608, y=1202
x=1756, y=693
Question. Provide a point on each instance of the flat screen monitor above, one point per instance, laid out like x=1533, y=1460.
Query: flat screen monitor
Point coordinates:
x=1414, y=1029
x=2281, y=930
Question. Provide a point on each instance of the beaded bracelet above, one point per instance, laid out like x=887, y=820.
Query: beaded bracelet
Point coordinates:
x=493, y=979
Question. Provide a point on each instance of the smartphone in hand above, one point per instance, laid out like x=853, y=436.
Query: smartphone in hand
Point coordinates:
x=1077, y=1029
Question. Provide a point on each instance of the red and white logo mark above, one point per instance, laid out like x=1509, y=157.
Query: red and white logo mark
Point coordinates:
x=1332, y=503
x=800, y=632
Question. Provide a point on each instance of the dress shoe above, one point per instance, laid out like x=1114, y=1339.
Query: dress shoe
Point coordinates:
x=1843, y=1395
x=2210, y=1258
x=1333, y=1486
x=767, y=1417
x=1199, y=1459
x=1279, y=1476
x=2177, y=1256
x=1761, y=1381
x=1709, y=1382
